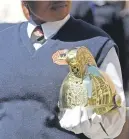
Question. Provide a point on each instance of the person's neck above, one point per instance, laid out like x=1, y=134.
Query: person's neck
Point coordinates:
x=37, y=21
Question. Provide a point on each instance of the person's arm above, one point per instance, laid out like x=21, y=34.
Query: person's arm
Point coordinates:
x=125, y=10
x=112, y=122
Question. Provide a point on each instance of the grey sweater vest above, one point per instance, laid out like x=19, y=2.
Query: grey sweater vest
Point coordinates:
x=30, y=84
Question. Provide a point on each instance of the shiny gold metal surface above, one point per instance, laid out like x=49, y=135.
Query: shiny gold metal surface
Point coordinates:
x=85, y=85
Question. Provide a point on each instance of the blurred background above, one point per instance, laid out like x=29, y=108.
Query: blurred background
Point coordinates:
x=111, y=16
x=11, y=11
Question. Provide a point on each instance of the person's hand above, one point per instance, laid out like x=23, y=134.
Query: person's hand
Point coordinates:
x=124, y=12
x=79, y=120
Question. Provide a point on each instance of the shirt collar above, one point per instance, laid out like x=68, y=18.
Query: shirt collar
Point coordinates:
x=49, y=28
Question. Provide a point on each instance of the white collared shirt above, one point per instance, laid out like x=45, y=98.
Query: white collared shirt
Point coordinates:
x=49, y=29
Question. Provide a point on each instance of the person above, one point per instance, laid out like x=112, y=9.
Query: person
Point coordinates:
x=110, y=23
x=82, y=10
x=25, y=11
x=106, y=15
x=31, y=75
x=124, y=14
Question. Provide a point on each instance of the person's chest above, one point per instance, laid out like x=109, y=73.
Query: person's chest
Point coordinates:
x=31, y=75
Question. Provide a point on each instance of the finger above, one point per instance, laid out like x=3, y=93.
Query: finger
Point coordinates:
x=71, y=118
x=96, y=118
x=76, y=129
x=85, y=122
x=84, y=116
